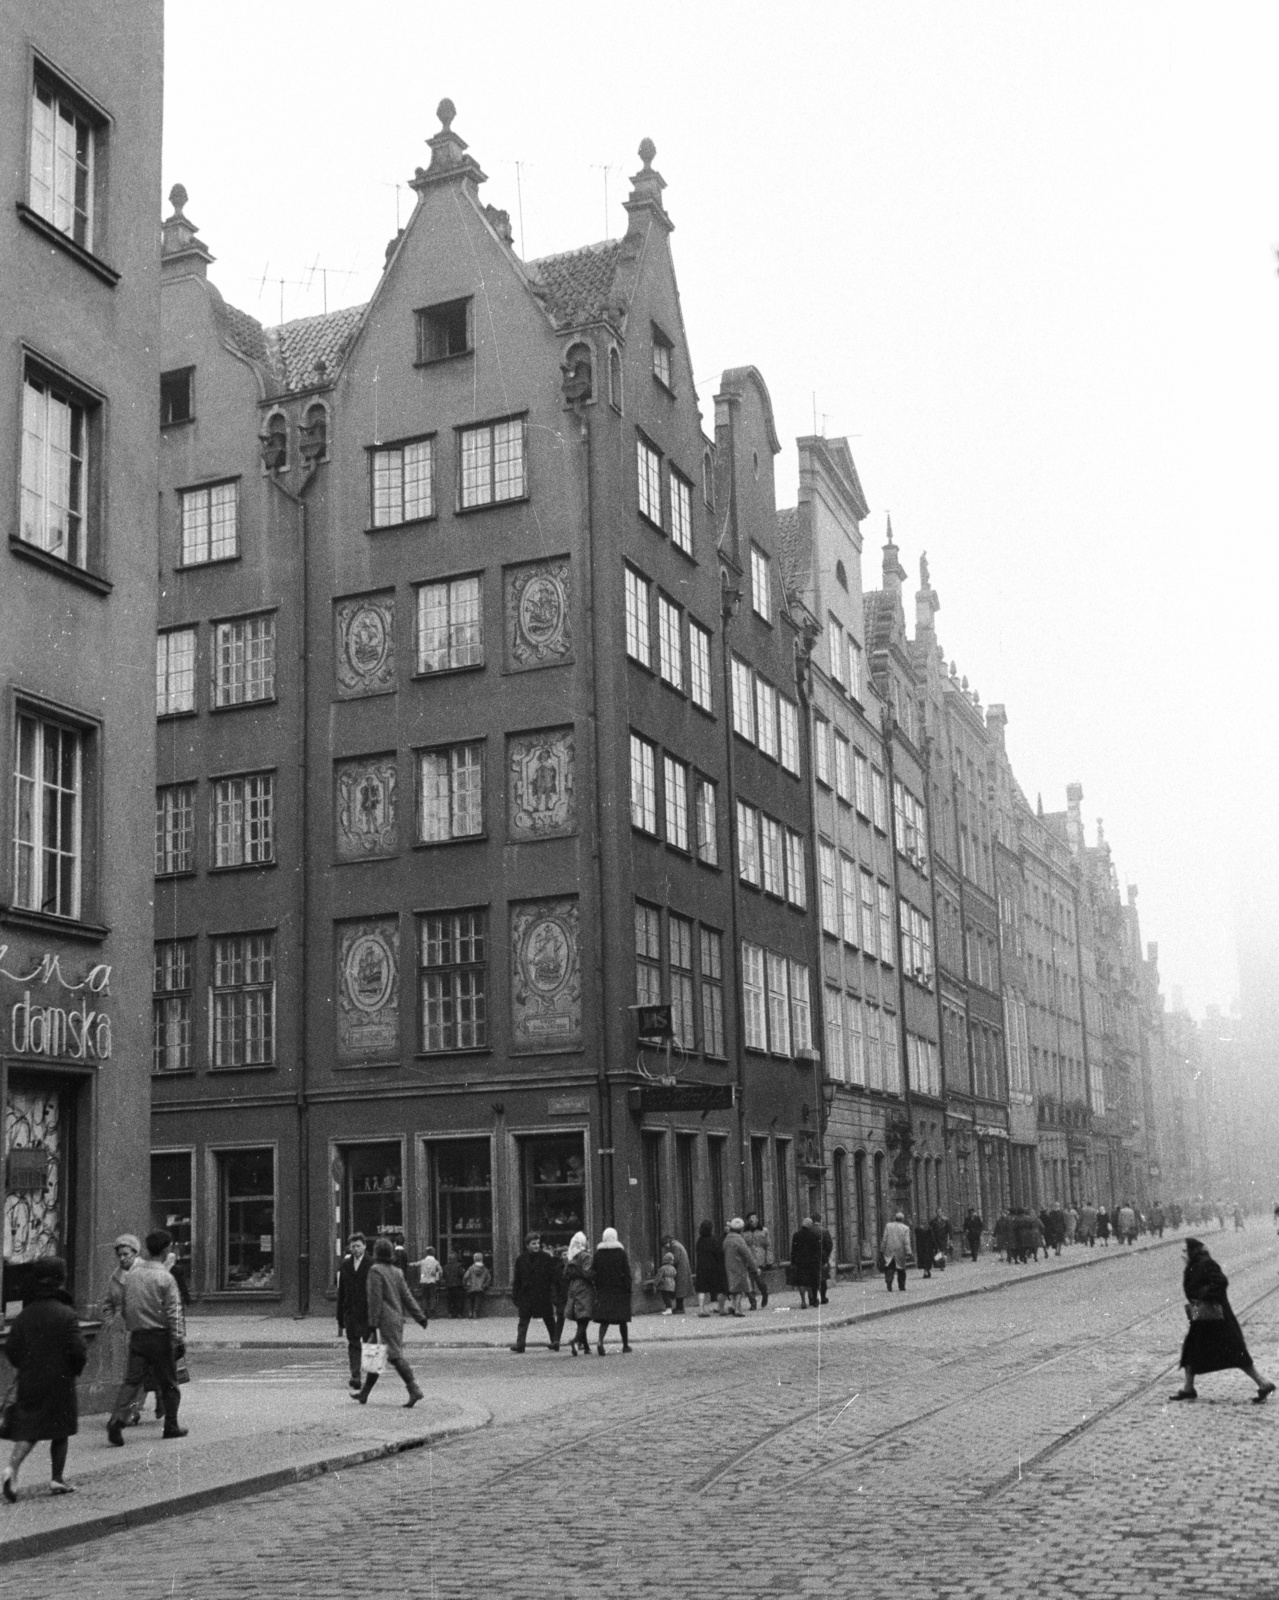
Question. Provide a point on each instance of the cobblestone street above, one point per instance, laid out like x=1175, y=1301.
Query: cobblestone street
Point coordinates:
x=1007, y=1444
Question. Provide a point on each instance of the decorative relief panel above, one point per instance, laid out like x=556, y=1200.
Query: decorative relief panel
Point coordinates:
x=546, y=977
x=368, y=990
x=539, y=631
x=541, y=801
x=365, y=642
x=366, y=808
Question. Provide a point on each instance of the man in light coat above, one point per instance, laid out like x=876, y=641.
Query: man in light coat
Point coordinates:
x=157, y=1339
x=895, y=1249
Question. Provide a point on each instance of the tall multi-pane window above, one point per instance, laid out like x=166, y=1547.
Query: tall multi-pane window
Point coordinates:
x=60, y=178
x=699, y=665
x=55, y=470
x=748, y=843
x=679, y=938
x=648, y=955
x=712, y=954
x=788, y=733
x=835, y=647
x=453, y=956
x=743, y=700
x=450, y=627
x=670, y=652
x=761, y=597
x=707, y=823
x=242, y=1001
x=796, y=877
x=870, y=915
x=892, y=1072
x=856, y=1045
x=801, y=1014
x=210, y=529
x=774, y=862
x=835, y=1063
x=855, y=669
x=753, y=1011
x=843, y=768
x=175, y=672
x=874, y=1060
x=848, y=898
x=885, y=900
x=175, y=829
x=861, y=783
x=244, y=661
x=400, y=479
x=244, y=820
x=643, y=784
x=493, y=463
x=48, y=817
x=649, y=468
x=777, y=975
x=171, y=988
x=821, y=749
x=879, y=799
x=826, y=885
x=675, y=774
x=638, y=636
x=451, y=792
x=662, y=358
x=681, y=513
x=766, y=717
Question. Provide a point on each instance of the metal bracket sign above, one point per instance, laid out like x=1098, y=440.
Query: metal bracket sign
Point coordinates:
x=653, y=1022
x=686, y=1097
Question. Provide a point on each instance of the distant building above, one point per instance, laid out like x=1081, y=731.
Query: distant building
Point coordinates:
x=80, y=101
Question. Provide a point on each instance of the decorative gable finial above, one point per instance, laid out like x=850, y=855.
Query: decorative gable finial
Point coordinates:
x=178, y=235
x=647, y=151
x=178, y=197
x=446, y=111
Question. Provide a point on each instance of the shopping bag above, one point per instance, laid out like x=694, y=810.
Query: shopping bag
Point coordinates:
x=373, y=1356
x=181, y=1371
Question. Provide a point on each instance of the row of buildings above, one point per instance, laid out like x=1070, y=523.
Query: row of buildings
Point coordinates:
x=549, y=830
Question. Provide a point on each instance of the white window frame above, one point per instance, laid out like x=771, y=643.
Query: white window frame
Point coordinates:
x=681, y=492
x=174, y=672
x=848, y=899
x=777, y=988
x=643, y=784
x=402, y=482
x=56, y=468
x=48, y=818
x=821, y=749
x=843, y=765
x=670, y=643
x=210, y=517
x=772, y=856
x=748, y=851
x=450, y=792
x=639, y=638
x=243, y=660
x=743, y=700
x=761, y=582
x=801, y=1009
x=250, y=953
x=796, y=873
x=826, y=888
x=61, y=175
x=707, y=821
x=766, y=717
x=492, y=463
x=648, y=466
x=242, y=814
x=675, y=786
x=699, y=665
x=754, y=1013
x=175, y=829
x=788, y=734
x=450, y=624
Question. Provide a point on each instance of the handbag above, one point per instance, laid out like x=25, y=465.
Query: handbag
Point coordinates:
x=181, y=1371
x=1205, y=1311
x=373, y=1356
x=9, y=1412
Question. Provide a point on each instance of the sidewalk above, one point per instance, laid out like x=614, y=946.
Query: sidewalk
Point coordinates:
x=248, y=1434
x=850, y=1302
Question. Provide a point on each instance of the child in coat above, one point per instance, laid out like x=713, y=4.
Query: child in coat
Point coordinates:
x=429, y=1275
x=476, y=1280
x=666, y=1283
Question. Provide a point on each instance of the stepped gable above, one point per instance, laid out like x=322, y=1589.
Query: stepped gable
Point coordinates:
x=299, y=347
x=579, y=286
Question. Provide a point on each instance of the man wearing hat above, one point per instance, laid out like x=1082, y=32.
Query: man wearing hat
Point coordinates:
x=127, y=1248
x=157, y=1339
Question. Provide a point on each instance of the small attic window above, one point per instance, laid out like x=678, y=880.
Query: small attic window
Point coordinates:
x=841, y=577
x=444, y=330
x=314, y=435
x=662, y=349
x=274, y=440
x=615, y=379
x=175, y=396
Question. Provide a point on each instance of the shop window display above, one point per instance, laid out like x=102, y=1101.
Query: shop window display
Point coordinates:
x=554, y=1187
x=464, y=1199
x=171, y=1205
x=374, y=1192
x=246, y=1183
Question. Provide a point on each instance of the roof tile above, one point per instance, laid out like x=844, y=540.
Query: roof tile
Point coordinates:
x=577, y=286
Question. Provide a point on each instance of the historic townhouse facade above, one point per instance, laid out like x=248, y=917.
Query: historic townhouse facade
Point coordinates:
x=472, y=641
x=80, y=102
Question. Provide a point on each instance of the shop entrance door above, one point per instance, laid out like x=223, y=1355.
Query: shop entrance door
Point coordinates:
x=38, y=1124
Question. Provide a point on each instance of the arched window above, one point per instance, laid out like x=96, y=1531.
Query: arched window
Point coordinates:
x=274, y=440
x=615, y=378
x=708, y=480
x=314, y=440
x=859, y=1202
x=578, y=374
x=842, y=1252
x=841, y=577
x=880, y=1215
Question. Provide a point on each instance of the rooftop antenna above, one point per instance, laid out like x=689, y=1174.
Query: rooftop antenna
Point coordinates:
x=397, y=187
x=604, y=168
x=519, y=195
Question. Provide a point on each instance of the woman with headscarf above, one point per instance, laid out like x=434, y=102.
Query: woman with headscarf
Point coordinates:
x=1214, y=1340
x=390, y=1301
x=739, y=1265
x=710, y=1277
x=683, y=1272
x=48, y=1353
x=612, y=1274
x=579, y=1297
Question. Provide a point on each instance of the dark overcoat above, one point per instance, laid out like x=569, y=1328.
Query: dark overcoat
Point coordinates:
x=47, y=1349
x=533, y=1283
x=612, y=1273
x=353, y=1292
x=1211, y=1346
x=579, y=1299
x=710, y=1275
x=806, y=1258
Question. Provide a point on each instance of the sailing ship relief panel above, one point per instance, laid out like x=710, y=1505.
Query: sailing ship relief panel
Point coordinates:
x=364, y=639
x=538, y=628
x=368, y=990
x=546, y=976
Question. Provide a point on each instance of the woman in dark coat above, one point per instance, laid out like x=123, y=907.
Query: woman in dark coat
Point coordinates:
x=806, y=1262
x=710, y=1276
x=579, y=1295
x=1214, y=1339
x=612, y=1273
x=47, y=1350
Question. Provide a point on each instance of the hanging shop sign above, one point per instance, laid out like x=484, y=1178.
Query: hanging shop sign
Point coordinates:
x=684, y=1097
x=75, y=1030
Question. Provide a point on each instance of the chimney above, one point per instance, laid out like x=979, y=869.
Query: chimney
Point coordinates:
x=178, y=242
x=646, y=195
x=449, y=160
x=997, y=721
x=927, y=605
x=1074, y=822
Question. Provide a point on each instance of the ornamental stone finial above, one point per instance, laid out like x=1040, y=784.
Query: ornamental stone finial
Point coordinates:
x=647, y=151
x=178, y=197
x=446, y=111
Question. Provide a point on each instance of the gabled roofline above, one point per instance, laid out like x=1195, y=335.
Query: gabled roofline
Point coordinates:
x=735, y=379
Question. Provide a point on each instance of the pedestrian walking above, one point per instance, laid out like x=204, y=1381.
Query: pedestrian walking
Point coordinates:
x=390, y=1300
x=1238, y=1216
x=579, y=1296
x=127, y=1248
x=47, y=1352
x=894, y=1250
x=1126, y=1227
x=941, y=1235
x=353, y=1303
x=454, y=1274
x=828, y=1250
x=1087, y=1228
x=683, y=1272
x=972, y=1232
x=1157, y=1219
x=806, y=1263
x=761, y=1249
x=157, y=1339
x=612, y=1271
x=1214, y=1340
x=711, y=1281
x=1103, y=1226
x=531, y=1289
x=924, y=1248
x=1072, y=1224
x=664, y=1283
x=475, y=1280
x=559, y=1291
x=739, y=1265
x=430, y=1274
x=1001, y=1236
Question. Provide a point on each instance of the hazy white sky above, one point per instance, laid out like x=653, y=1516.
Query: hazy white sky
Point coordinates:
x=1023, y=256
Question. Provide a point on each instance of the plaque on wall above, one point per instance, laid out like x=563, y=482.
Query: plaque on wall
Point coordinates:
x=365, y=807
x=365, y=644
x=539, y=631
x=368, y=990
x=546, y=977
x=541, y=803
